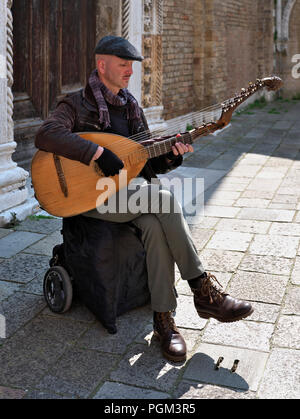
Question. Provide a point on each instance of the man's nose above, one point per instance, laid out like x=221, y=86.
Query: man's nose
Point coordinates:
x=130, y=70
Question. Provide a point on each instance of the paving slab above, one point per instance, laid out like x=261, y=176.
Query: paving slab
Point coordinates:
x=35, y=286
x=19, y=309
x=17, y=241
x=220, y=211
x=287, y=332
x=285, y=229
x=205, y=222
x=252, y=203
x=78, y=372
x=296, y=272
x=245, y=171
x=228, y=240
x=40, y=225
x=281, y=377
x=261, y=287
x=186, y=314
x=8, y=393
x=283, y=125
x=278, y=162
x=193, y=391
x=23, y=268
x=45, y=246
x=258, y=194
x=4, y=232
x=244, y=334
x=272, y=173
x=297, y=218
x=220, y=196
x=264, y=184
x=220, y=260
x=291, y=303
x=42, y=395
x=111, y=390
x=202, y=367
x=24, y=362
x=143, y=368
x=201, y=236
x=274, y=245
x=282, y=206
x=254, y=159
x=7, y=289
x=243, y=226
x=267, y=264
x=265, y=214
x=98, y=338
x=265, y=312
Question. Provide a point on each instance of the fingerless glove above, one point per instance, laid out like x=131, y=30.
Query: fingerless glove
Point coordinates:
x=109, y=163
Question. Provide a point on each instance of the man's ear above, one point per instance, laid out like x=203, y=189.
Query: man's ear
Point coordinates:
x=100, y=66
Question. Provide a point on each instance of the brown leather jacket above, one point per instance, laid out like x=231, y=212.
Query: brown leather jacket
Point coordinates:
x=78, y=112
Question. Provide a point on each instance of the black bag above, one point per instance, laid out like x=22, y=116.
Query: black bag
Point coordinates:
x=107, y=262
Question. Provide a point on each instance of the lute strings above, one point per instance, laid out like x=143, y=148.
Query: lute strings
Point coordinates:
x=135, y=155
x=198, y=118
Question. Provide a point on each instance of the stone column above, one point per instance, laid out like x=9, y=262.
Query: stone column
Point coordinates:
x=153, y=65
x=132, y=17
x=142, y=26
x=13, y=191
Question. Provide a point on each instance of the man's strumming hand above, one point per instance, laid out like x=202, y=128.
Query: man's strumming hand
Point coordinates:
x=109, y=163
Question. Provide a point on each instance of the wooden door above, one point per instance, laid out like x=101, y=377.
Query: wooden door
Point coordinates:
x=53, y=55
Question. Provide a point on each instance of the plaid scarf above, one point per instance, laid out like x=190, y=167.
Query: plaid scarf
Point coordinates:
x=103, y=94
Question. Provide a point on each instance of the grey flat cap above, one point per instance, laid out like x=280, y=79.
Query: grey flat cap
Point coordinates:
x=115, y=45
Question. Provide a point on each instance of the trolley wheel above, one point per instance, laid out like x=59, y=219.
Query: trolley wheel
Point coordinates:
x=58, y=290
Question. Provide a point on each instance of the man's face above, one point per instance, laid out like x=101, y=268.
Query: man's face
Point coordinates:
x=114, y=72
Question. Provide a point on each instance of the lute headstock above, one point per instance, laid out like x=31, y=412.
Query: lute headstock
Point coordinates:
x=229, y=106
x=272, y=83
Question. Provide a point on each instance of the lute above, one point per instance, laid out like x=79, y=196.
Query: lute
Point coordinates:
x=67, y=187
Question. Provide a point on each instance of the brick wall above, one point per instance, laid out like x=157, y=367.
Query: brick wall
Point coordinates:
x=212, y=48
x=178, y=56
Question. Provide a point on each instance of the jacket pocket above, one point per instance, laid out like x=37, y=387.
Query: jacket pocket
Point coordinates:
x=89, y=125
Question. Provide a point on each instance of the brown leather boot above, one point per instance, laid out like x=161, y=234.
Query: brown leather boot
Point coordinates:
x=210, y=301
x=172, y=343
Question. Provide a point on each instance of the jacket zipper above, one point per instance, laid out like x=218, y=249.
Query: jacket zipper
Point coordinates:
x=91, y=125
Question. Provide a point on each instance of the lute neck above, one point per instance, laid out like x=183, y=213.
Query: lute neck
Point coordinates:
x=164, y=145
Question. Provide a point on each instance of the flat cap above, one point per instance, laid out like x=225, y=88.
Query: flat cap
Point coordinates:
x=116, y=45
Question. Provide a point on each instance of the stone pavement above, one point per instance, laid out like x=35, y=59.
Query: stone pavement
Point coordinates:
x=249, y=238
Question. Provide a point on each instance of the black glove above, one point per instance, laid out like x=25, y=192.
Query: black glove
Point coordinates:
x=171, y=156
x=109, y=163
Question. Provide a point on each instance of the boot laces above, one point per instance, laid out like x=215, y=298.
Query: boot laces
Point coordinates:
x=210, y=288
x=166, y=321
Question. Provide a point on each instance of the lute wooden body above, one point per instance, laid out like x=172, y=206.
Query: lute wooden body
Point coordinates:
x=67, y=187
